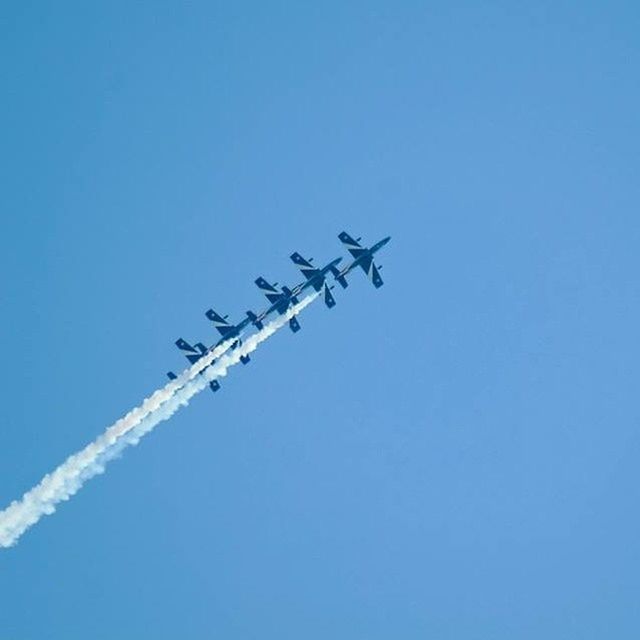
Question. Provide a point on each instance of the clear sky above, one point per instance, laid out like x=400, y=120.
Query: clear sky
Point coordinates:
x=453, y=456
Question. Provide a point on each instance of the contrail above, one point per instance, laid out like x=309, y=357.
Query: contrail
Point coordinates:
x=71, y=475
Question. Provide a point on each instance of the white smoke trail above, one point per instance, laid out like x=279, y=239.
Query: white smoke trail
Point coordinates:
x=71, y=475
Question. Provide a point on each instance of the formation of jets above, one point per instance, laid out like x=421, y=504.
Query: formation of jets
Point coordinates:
x=280, y=300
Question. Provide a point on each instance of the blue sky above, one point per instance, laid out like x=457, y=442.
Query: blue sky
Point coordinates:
x=452, y=456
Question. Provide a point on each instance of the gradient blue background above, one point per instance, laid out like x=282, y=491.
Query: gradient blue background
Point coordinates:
x=452, y=456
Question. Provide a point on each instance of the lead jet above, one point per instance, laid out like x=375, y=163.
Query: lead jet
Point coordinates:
x=316, y=278
x=193, y=354
x=363, y=257
x=280, y=301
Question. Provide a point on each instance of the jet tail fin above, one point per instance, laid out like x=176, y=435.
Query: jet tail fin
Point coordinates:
x=245, y=359
x=171, y=375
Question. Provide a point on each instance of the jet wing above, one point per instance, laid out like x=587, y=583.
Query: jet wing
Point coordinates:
x=305, y=266
x=366, y=263
x=329, y=300
x=294, y=325
x=374, y=274
x=192, y=354
x=369, y=267
x=272, y=294
x=352, y=246
x=224, y=328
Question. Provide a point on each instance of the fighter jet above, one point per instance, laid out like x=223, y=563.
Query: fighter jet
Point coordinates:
x=193, y=354
x=316, y=278
x=229, y=331
x=363, y=257
x=280, y=302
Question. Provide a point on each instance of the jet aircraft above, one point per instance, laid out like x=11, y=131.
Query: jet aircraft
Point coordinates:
x=315, y=277
x=280, y=302
x=229, y=331
x=284, y=298
x=363, y=257
x=193, y=354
